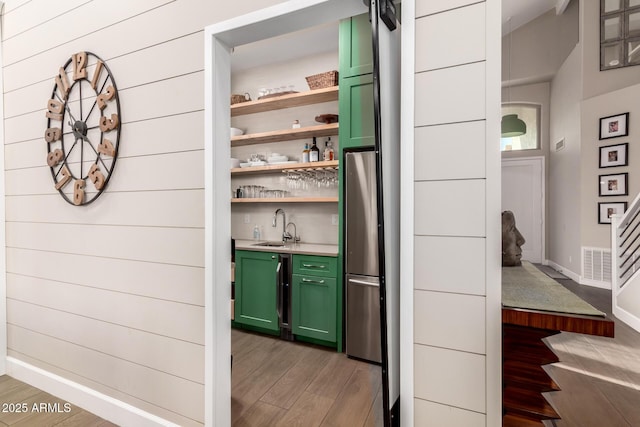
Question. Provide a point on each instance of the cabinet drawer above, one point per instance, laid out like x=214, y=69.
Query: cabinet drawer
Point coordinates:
x=314, y=307
x=313, y=265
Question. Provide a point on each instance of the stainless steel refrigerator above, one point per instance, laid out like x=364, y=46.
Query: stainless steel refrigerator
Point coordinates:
x=361, y=257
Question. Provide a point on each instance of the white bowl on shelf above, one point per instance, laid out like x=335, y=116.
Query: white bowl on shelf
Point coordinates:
x=236, y=132
x=245, y=165
x=277, y=159
x=235, y=163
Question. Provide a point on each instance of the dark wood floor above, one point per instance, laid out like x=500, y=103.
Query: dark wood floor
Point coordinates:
x=282, y=383
x=599, y=377
x=22, y=405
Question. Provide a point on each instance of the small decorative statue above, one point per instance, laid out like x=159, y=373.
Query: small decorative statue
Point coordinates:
x=512, y=240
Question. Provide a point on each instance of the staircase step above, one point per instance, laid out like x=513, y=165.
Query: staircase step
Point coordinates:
x=527, y=403
x=530, y=376
x=527, y=346
x=515, y=420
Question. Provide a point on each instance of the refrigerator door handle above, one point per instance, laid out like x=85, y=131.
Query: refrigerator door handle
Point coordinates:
x=362, y=282
x=279, y=291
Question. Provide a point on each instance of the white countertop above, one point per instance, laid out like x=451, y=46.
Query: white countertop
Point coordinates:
x=289, y=248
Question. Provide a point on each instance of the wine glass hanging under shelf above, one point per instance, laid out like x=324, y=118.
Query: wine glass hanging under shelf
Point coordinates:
x=307, y=178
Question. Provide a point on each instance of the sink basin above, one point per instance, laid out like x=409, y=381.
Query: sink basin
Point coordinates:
x=271, y=244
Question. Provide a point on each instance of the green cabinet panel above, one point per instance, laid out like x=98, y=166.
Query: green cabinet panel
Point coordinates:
x=356, y=112
x=356, y=48
x=321, y=266
x=314, y=307
x=314, y=297
x=256, y=289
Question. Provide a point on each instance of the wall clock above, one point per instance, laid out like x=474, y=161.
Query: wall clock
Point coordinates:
x=83, y=128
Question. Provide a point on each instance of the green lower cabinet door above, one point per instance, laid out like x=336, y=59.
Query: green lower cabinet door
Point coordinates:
x=256, y=289
x=314, y=307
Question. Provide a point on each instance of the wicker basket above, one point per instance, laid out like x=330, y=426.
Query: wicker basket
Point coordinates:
x=319, y=81
x=236, y=99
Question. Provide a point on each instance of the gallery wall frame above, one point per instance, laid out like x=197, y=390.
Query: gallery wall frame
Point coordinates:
x=605, y=210
x=613, y=184
x=614, y=155
x=614, y=126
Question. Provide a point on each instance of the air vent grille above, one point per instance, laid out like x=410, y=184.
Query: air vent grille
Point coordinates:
x=596, y=264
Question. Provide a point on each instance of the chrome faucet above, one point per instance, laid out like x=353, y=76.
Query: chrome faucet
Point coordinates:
x=285, y=236
x=295, y=237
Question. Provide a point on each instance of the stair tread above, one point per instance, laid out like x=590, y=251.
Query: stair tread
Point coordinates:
x=529, y=403
x=515, y=371
x=514, y=420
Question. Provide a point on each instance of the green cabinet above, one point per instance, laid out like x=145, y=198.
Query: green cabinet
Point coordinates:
x=314, y=297
x=356, y=83
x=256, y=281
x=356, y=112
x=356, y=51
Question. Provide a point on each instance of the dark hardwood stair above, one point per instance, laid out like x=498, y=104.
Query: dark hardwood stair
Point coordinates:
x=533, y=376
x=513, y=420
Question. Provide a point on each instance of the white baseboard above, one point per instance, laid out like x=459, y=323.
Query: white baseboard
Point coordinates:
x=576, y=277
x=560, y=269
x=595, y=283
x=100, y=404
x=627, y=318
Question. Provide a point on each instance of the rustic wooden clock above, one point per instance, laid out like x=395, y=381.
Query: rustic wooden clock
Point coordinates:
x=83, y=128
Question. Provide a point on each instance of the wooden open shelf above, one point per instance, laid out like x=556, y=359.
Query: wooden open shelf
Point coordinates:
x=284, y=166
x=285, y=135
x=287, y=200
x=285, y=101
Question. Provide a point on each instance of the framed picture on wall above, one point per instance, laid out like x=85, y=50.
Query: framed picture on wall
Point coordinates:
x=614, y=126
x=614, y=155
x=605, y=210
x=613, y=185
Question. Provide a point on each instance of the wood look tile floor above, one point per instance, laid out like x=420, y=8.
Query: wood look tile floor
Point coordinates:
x=599, y=377
x=22, y=405
x=281, y=383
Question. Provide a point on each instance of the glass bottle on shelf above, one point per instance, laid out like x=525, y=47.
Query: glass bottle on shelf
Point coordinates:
x=328, y=150
x=305, y=154
x=314, y=152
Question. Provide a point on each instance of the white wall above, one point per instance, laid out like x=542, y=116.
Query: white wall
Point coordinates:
x=540, y=46
x=457, y=208
x=111, y=295
x=564, y=220
x=620, y=101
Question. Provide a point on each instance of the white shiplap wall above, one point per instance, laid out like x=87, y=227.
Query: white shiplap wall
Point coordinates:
x=111, y=295
x=456, y=272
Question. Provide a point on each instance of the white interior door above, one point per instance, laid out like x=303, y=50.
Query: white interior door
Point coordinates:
x=523, y=194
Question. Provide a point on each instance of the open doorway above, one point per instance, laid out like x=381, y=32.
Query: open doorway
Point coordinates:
x=284, y=372
x=220, y=39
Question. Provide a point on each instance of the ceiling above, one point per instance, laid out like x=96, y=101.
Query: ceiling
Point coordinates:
x=516, y=13
x=324, y=38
